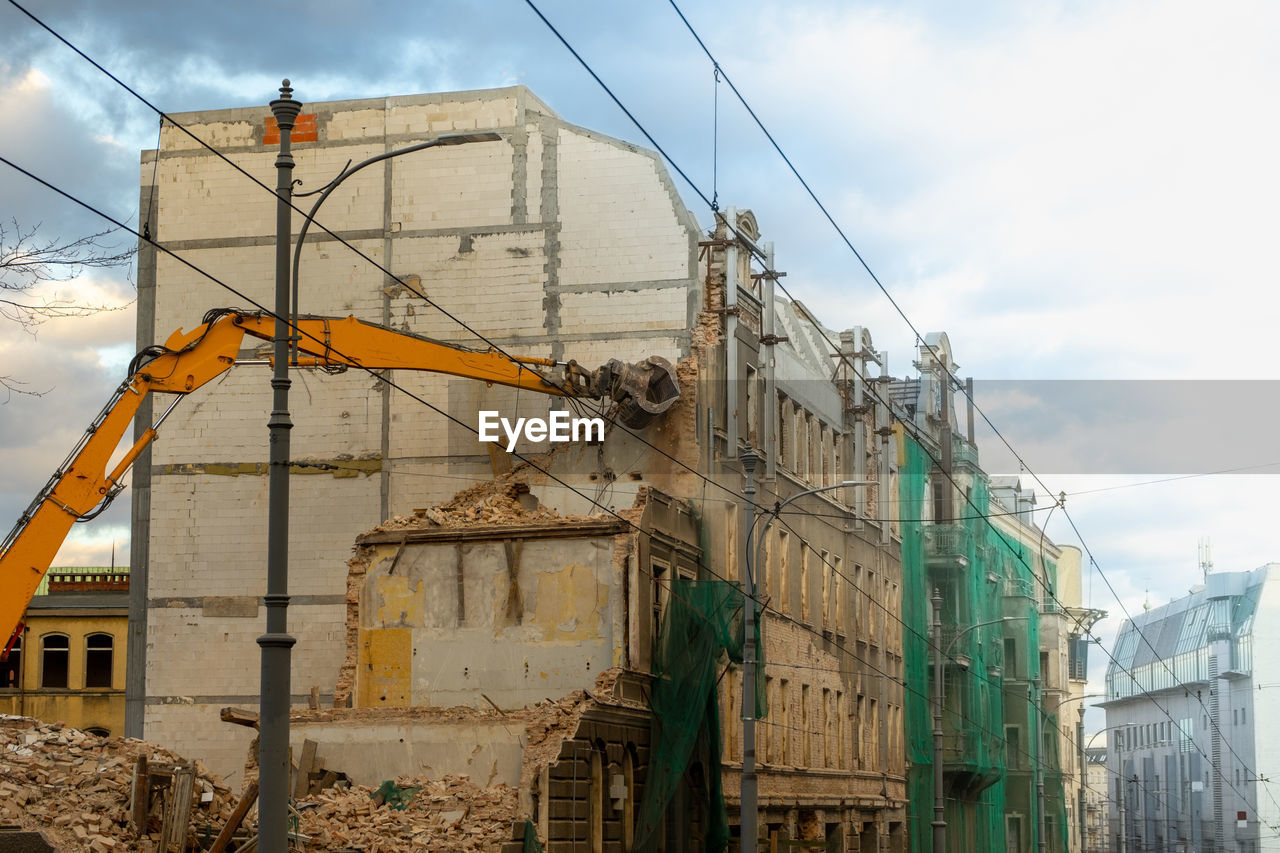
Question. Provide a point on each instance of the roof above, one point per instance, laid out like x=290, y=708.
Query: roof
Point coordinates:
x=1223, y=606
x=80, y=601
x=43, y=588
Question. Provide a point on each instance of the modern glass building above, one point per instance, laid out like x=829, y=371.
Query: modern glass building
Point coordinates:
x=1194, y=742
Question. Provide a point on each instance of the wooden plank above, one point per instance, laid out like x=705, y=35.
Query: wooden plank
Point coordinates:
x=305, y=765
x=138, y=796
x=239, y=716
x=314, y=700
x=237, y=817
x=177, y=809
x=321, y=780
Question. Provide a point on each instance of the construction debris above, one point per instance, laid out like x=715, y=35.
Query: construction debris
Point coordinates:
x=77, y=788
x=502, y=501
x=444, y=814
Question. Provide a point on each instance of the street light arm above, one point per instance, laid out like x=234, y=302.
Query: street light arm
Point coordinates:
x=451, y=139
x=947, y=652
x=753, y=542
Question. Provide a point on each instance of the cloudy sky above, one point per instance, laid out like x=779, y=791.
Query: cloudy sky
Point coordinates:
x=1073, y=191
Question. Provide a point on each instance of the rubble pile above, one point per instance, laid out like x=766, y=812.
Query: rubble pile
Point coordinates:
x=501, y=501
x=75, y=787
x=446, y=814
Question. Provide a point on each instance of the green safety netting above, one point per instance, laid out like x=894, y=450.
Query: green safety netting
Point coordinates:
x=531, y=844
x=701, y=628
x=991, y=780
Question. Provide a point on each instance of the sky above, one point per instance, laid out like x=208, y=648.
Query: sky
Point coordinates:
x=1078, y=191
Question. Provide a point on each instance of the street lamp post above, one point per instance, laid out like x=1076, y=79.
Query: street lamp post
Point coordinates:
x=277, y=643
x=940, y=655
x=1081, y=780
x=748, y=814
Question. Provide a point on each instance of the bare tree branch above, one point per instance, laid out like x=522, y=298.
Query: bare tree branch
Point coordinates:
x=27, y=260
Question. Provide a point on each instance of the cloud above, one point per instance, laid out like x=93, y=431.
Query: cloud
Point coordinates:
x=1077, y=191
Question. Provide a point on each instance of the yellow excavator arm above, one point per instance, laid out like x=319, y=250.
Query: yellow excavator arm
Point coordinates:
x=82, y=486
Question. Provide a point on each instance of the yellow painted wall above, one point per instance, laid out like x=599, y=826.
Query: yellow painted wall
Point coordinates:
x=76, y=705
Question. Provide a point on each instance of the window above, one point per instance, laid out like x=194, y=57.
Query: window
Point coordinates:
x=839, y=581
x=806, y=742
x=729, y=700
x=828, y=590
x=660, y=591
x=764, y=742
x=786, y=434
x=1013, y=746
x=784, y=570
x=840, y=730
x=826, y=728
x=860, y=720
x=55, y=658
x=806, y=613
x=784, y=722
x=11, y=669
x=731, y=543
x=1011, y=657
x=98, y=660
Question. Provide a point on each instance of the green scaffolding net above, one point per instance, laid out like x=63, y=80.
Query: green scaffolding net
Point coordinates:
x=994, y=741
x=701, y=629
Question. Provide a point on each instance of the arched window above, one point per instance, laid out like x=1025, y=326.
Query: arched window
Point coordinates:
x=11, y=669
x=97, y=731
x=55, y=660
x=99, y=654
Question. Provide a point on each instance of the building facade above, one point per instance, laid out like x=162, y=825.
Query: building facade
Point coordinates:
x=1097, y=837
x=67, y=664
x=998, y=625
x=555, y=242
x=1190, y=729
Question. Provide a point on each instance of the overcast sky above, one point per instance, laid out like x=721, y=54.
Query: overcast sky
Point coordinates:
x=1078, y=190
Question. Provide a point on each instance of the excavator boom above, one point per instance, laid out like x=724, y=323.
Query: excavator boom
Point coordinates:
x=82, y=486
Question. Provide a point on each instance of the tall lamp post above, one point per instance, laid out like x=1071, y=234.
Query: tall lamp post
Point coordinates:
x=941, y=653
x=749, y=799
x=277, y=643
x=1081, y=780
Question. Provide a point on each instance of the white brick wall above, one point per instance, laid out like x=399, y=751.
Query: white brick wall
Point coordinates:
x=618, y=223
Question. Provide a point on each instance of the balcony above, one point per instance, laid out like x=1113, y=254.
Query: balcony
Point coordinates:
x=1019, y=588
x=964, y=453
x=947, y=546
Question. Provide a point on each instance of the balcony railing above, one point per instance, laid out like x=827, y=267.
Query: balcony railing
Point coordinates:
x=948, y=544
x=964, y=453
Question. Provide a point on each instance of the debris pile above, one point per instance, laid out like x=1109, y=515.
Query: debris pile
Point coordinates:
x=445, y=814
x=76, y=787
x=502, y=501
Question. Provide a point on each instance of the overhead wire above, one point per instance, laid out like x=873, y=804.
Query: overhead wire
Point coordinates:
x=653, y=141
x=941, y=362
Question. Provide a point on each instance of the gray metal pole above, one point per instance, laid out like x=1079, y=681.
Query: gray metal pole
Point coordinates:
x=1039, y=753
x=1083, y=779
x=747, y=817
x=939, y=801
x=276, y=643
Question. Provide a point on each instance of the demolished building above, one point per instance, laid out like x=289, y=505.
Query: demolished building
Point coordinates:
x=447, y=631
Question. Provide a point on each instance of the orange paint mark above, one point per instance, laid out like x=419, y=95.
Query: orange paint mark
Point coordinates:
x=304, y=130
